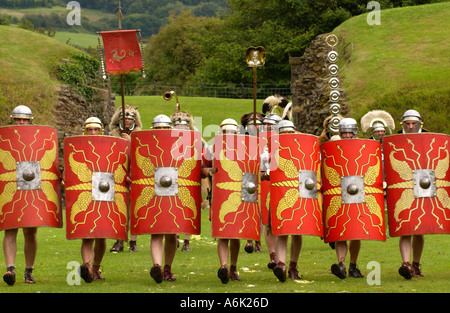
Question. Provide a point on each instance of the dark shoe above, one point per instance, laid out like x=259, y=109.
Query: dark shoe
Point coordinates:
x=339, y=270
x=28, y=275
x=156, y=273
x=280, y=271
x=249, y=246
x=234, y=274
x=86, y=273
x=132, y=245
x=273, y=261
x=222, y=273
x=117, y=247
x=293, y=272
x=416, y=272
x=167, y=274
x=186, y=246
x=405, y=270
x=10, y=276
x=353, y=271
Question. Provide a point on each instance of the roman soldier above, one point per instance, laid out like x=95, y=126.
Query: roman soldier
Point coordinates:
x=417, y=179
x=132, y=123
x=379, y=123
x=249, y=127
x=235, y=211
x=352, y=195
x=30, y=183
x=96, y=170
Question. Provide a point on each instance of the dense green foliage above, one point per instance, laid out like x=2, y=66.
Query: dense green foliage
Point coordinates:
x=81, y=73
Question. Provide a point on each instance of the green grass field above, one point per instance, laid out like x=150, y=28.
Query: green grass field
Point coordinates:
x=196, y=271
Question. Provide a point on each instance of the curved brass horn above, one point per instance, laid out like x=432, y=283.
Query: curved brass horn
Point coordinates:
x=167, y=95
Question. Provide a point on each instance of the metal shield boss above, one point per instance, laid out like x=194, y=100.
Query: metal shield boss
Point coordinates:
x=264, y=195
x=235, y=207
x=165, y=189
x=418, y=183
x=95, y=173
x=353, y=198
x=295, y=185
x=29, y=177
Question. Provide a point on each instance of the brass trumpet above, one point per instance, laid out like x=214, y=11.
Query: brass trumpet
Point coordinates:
x=167, y=95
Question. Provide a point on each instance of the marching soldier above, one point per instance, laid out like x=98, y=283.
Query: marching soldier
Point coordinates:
x=287, y=127
x=411, y=123
x=377, y=122
x=92, y=250
x=21, y=115
x=270, y=121
x=183, y=120
x=132, y=123
x=170, y=240
x=347, y=130
x=228, y=247
x=247, y=122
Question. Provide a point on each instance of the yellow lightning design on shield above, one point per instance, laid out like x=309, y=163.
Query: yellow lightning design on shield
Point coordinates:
x=370, y=177
x=46, y=162
x=84, y=174
x=407, y=200
x=147, y=199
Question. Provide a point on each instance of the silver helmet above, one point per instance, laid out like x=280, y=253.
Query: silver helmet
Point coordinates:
x=161, y=121
x=414, y=116
x=93, y=122
x=285, y=126
x=348, y=125
x=22, y=112
x=272, y=119
x=229, y=125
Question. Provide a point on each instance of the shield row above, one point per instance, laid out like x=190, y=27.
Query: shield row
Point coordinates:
x=334, y=191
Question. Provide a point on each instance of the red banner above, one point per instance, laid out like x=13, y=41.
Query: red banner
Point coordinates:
x=122, y=52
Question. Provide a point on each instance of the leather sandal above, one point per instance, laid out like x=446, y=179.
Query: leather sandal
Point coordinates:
x=405, y=270
x=280, y=271
x=156, y=273
x=28, y=275
x=10, y=276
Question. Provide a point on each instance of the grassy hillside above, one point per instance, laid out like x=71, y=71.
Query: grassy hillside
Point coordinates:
x=26, y=71
x=398, y=65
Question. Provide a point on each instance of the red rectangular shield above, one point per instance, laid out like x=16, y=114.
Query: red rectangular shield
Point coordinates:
x=165, y=188
x=29, y=177
x=295, y=185
x=352, y=183
x=418, y=183
x=95, y=171
x=122, y=51
x=235, y=207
